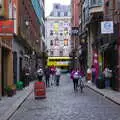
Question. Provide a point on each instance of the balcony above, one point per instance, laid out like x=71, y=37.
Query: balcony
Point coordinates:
x=96, y=6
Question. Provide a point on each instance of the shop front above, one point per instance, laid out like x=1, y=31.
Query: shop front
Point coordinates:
x=6, y=55
x=6, y=66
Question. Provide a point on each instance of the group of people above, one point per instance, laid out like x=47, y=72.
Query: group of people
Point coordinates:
x=107, y=75
x=76, y=74
x=48, y=72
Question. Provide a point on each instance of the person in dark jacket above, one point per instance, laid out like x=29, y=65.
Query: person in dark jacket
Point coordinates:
x=47, y=76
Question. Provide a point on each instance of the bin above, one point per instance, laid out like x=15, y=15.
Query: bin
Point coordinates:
x=100, y=83
x=19, y=85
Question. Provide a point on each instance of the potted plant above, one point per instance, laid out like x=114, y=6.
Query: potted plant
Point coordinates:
x=9, y=91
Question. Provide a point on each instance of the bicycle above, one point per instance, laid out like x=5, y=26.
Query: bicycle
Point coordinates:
x=80, y=84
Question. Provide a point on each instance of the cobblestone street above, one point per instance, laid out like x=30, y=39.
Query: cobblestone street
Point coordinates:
x=62, y=103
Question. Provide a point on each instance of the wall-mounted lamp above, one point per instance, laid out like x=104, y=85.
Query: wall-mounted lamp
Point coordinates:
x=27, y=23
x=37, y=41
x=33, y=52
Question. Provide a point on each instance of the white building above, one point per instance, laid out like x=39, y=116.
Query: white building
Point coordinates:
x=58, y=29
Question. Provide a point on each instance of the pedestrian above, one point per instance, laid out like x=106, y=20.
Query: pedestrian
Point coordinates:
x=47, y=76
x=71, y=75
x=76, y=77
x=40, y=74
x=107, y=75
x=57, y=76
x=93, y=70
x=52, y=71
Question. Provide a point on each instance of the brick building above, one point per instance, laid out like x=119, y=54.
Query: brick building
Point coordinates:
x=21, y=47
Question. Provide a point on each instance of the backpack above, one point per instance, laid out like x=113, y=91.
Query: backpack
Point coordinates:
x=76, y=75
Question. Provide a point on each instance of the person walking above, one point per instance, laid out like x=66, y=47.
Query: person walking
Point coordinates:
x=93, y=69
x=76, y=77
x=57, y=76
x=40, y=74
x=107, y=75
x=52, y=71
x=47, y=76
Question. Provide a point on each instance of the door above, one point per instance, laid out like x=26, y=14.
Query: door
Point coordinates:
x=15, y=66
x=20, y=68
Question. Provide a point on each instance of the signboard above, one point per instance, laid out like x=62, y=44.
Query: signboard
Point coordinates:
x=6, y=27
x=107, y=27
x=75, y=31
x=56, y=27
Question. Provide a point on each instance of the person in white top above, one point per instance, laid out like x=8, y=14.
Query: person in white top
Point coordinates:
x=57, y=75
x=107, y=75
x=40, y=74
x=93, y=74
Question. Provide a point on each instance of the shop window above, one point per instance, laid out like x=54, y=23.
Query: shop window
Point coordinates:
x=65, y=42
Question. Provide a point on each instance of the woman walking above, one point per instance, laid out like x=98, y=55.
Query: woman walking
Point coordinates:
x=76, y=77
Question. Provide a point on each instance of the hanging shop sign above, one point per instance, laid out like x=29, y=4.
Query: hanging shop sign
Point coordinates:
x=6, y=27
x=75, y=31
x=107, y=27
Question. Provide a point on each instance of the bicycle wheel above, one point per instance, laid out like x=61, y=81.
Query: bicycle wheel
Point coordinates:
x=81, y=86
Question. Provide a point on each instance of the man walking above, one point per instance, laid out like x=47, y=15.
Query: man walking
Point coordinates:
x=47, y=76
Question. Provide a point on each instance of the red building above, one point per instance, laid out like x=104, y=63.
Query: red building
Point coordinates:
x=75, y=22
x=75, y=29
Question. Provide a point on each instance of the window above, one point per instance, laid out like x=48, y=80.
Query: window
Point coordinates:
x=51, y=42
x=57, y=6
x=51, y=32
x=107, y=4
x=65, y=42
x=65, y=13
x=58, y=14
x=61, y=14
x=93, y=2
x=66, y=31
x=51, y=53
x=61, y=53
x=61, y=34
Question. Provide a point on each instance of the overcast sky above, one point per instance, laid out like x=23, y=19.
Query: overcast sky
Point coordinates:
x=49, y=5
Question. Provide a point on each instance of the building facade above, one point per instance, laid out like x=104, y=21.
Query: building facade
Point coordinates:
x=20, y=44
x=74, y=33
x=58, y=30
x=39, y=8
x=97, y=48
x=6, y=56
x=112, y=50
x=27, y=41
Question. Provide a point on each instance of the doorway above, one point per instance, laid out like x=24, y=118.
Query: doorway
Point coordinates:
x=15, y=66
x=20, y=68
x=4, y=69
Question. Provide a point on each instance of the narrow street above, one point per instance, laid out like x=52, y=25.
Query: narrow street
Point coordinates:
x=62, y=103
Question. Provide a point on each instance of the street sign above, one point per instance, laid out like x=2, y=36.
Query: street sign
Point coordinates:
x=107, y=27
x=75, y=31
x=6, y=27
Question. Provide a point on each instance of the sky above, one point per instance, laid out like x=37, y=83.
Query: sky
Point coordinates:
x=49, y=5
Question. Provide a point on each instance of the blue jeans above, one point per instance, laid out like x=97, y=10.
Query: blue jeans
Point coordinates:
x=107, y=82
x=93, y=78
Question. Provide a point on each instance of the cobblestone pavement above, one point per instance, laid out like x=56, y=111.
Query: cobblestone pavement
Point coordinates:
x=62, y=103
